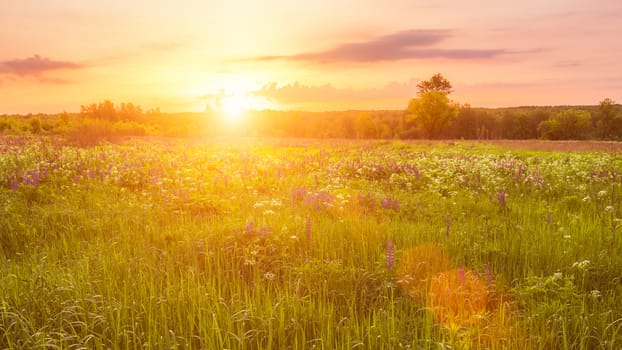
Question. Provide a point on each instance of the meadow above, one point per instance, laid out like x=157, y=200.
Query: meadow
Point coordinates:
x=308, y=244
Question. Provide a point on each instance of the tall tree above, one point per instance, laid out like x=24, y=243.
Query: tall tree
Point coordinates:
x=433, y=111
x=436, y=83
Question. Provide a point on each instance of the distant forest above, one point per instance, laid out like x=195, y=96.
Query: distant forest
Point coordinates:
x=106, y=120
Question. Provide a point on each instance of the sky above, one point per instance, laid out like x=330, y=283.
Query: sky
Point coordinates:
x=189, y=55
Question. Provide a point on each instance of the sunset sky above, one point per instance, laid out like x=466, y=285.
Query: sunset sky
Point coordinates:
x=315, y=55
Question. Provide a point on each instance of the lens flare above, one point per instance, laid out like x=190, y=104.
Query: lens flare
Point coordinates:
x=417, y=265
x=458, y=298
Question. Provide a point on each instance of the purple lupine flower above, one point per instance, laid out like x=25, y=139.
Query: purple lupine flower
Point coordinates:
x=325, y=197
x=390, y=254
x=298, y=193
x=385, y=202
x=35, y=178
x=14, y=185
x=461, y=275
x=250, y=227
x=501, y=198
x=308, y=228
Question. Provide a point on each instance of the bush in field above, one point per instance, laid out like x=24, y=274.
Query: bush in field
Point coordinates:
x=35, y=125
x=129, y=129
x=5, y=125
x=90, y=132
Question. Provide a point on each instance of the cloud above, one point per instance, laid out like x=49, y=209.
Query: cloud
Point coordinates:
x=411, y=44
x=34, y=66
x=296, y=93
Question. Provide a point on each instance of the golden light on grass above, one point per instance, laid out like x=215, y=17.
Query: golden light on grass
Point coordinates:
x=458, y=298
x=417, y=266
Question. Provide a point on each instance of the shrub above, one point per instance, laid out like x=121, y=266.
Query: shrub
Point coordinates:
x=90, y=132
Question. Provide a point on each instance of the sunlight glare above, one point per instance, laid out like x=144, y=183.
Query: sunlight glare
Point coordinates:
x=233, y=107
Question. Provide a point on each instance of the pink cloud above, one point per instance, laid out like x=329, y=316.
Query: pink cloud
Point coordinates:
x=410, y=44
x=34, y=66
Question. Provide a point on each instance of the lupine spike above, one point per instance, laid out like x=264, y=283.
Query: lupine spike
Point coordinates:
x=501, y=198
x=461, y=275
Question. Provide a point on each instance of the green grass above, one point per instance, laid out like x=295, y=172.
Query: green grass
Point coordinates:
x=205, y=245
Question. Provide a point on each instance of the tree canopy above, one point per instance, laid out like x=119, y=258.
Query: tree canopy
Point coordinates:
x=433, y=111
x=436, y=83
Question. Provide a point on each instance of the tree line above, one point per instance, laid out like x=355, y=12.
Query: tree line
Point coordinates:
x=429, y=115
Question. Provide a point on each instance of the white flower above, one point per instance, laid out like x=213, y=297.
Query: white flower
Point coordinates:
x=557, y=275
x=567, y=236
x=269, y=276
x=595, y=294
x=602, y=193
x=586, y=198
x=609, y=208
x=581, y=264
x=269, y=212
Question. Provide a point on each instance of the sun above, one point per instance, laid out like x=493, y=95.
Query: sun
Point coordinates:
x=233, y=107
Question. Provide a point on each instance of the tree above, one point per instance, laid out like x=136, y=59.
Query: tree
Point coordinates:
x=607, y=110
x=437, y=83
x=568, y=124
x=433, y=111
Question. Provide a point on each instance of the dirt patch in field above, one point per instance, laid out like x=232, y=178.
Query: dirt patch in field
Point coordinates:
x=560, y=146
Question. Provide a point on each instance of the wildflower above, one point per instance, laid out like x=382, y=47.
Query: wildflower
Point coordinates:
x=581, y=264
x=250, y=227
x=602, y=193
x=557, y=275
x=609, y=208
x=501, y=198
x=595, y=294
x=308, y=228
x=269, y=212
x=389, y=203
x=390, y=254
x=14, y=184
x=460, y=275
x=299, y=193
x=269, y=276
x=586, y=198
x=447, y=225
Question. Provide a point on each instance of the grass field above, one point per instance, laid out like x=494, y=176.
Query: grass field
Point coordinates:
x=306, y=244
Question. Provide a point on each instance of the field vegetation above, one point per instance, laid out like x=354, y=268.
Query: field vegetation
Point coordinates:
x=307, y=244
